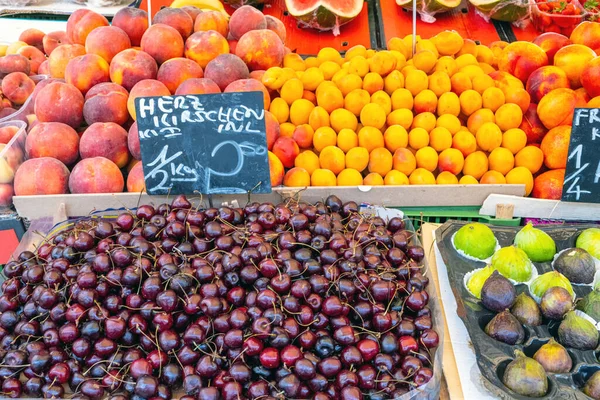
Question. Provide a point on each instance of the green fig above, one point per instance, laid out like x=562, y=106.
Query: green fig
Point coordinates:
x=537, y=244
x=590, y=304
x=526, y=310
x=577, y=332
x=542, y=283
x=498, y=293
x=554, y=358
x=513, y=263
x=589, y=240
x=475, y=240
x=577, y=265
x=477, y=279
x=556, y=302
x=525, y=376
x=505, y=328
x=592, y=386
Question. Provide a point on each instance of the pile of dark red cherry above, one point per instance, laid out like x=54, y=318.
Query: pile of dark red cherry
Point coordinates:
x=293, y=301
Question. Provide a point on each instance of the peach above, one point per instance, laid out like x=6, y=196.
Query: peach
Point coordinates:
x=549, y=185
x=557, y=107
x=81, y=22
x=572, y=59
x=232, y=45
x=84, y=72
x=45, y=175
x=44, y=68
x=106, y=102
x=14, y=63
x=176, y=18
x=212, y=21
x=261, y=49
x=588, y=34
x=257, y=74
x=54, y=39
x=203, y=47
x=175, y=71
x=275, y=25
x=7, y=133
x=303, y=135
x=582, y=95
x=286, y=149
x=6, y=194
x=17, y=87
x=11, y=159
x=60, y=102
x=272, y=127
x=35, y=56
x=276, y=170
x=192, y=11
x=532, y=126
x=521, y=59
x=133, y=142
x=107, y=42
x=33, y=37
x=590, y=77
x=296, y=177
x=105, y=139
x=14, y=47
x=551, y=42
x=226, y=68
x=246, y=19
x=162, y=42
x=135, y=179
x=53, y=139
x=145, y=88
x=96, y=175
x=131, y=66
x=61, y=56
x=250, y=85
x=594, y=103
x=6, y=111
x=545, y=79
x=133, y=21
x=197, y=86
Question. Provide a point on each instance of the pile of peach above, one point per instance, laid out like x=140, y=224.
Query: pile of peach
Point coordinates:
x=454, y=112
x=82, y=134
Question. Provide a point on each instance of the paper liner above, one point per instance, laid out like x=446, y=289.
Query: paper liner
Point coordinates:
x=467, y=277
x=468, y=257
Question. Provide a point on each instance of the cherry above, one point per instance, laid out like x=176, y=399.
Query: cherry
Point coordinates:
x=269, y=358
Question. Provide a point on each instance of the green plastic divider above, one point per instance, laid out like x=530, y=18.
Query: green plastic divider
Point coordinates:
x=439, y=215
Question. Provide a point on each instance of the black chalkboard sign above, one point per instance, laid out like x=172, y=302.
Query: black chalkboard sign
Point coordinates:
x=209, y=144
x=582, y=177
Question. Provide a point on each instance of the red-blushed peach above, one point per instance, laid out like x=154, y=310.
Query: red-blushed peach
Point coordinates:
x=257, y=74
x=176, y=18
x=35, y=56
x=96, y=175
x=33, y=37
x=232, y=45
x=7, y=133
x=107, y=42
x=261, y=49
x=276, y=170
x=594, y=103
x=557, y=107
x=131, y=66
x=203, y=47
x=286, y=149
x=296, y=177
x=44, y=68
x=84, y=72
x=590, y=77
x=17, y=87
x=133, y=141
x=133, y=21
x=175, y=71
x=521, y=59
x=14, y=47
x=106, y=102
x=105, y=139
x=582, y=95
x=6, y=194
x=551, y=42
x=54, y=39
x=197, y=86
x=246, y=19
x=250, y=85
x=226, y=68
x=588, y=34
x=162, y=42
x=275, y=25
x=14, y=63
x=145, y=88
x=545, y=79
x=53, y=139
x=11, y=159
x=6, y=111
x=61, y=56
x=45, y=175
x=192, y=11
x=60, y=102
x=572, y=59
x=81, y=22
x=212, y=21
x=135, y=179
x=532, y=126
x=303, y=136
x=272, y=128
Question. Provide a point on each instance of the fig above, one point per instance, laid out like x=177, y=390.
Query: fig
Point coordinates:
x=525, y=376
x=577, y=332
x=513, y=263
x=537, y=244
x=477, y=279
x=498, y=293
x=592, y=386
x=590, y=304
x=542, y=283
x=475, y=240
x=554, y=358
x=556, y=302
x=526, y=310
x=505, y=328
x=589, y=240
x=576, y=264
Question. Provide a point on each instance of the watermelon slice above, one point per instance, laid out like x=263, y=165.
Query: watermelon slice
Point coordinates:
x=324, y=15
x=428, y=8
x=502, y=10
